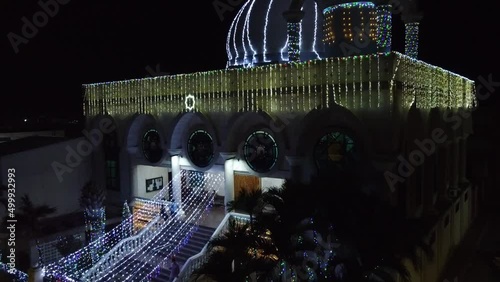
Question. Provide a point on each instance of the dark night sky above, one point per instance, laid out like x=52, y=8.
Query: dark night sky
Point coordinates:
x=93, y=41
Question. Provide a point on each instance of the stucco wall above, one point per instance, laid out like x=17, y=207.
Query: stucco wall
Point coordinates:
x=36, y=176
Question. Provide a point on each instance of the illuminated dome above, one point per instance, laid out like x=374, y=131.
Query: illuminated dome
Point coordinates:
x=258, y=33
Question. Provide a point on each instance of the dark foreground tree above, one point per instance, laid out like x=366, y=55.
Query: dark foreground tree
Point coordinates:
x=92, y=201
x=247, y=201
x=237, y=254
x=333, y=229
x=30, y=216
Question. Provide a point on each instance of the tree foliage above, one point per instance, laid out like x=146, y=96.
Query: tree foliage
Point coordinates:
x=92, y=197
x=332, y=229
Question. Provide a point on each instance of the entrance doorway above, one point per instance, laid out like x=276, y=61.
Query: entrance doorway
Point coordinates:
x=245, y=182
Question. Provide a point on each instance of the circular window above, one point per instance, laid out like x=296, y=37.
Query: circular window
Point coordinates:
x=260, y=151
x=151, y=146
x=200, y=148
x=335, y=150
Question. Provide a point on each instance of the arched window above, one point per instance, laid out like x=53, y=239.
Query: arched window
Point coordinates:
x=200, y=148
x=151, y=146
x=260, y=151
x=336, y=150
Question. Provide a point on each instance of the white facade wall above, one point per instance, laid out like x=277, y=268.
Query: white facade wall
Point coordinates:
x=142, y=173
x=19, y=135
x=36, y=176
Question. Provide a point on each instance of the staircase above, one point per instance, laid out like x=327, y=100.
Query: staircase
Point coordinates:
x=195, y=244
x=145, y=254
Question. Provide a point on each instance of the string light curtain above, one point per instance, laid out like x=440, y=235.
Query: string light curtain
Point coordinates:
x=241, y=89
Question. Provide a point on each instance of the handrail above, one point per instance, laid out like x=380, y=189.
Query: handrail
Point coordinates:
x=138, y=236
x=200, y=258
x=118, y=230
x=68, y=264
x=116, y=244
x=118, y=252
x=194, y=222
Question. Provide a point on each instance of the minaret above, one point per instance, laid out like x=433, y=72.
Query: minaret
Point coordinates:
x=411, y=17
x=384, y=25
x=350, y=28
x=293, y=18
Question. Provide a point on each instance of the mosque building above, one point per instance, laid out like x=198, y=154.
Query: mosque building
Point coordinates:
x=310, y=87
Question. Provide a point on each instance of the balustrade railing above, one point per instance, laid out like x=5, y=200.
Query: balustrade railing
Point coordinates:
x=124, y=240
x=153, y=229
x=195, y=262
x=73, y=266
x=122, y=249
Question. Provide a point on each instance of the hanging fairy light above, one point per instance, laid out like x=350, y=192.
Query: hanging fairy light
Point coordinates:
x=76, y=265
x=265, y=87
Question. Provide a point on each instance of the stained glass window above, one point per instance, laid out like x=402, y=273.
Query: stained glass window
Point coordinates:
x=151, y=146
x=200, y=148
x=260, y=151
x=335, y=150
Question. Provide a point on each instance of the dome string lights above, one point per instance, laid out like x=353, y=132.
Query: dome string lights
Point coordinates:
x=258, y=33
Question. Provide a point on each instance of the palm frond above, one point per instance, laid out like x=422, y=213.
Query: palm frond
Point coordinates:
x=92, y=196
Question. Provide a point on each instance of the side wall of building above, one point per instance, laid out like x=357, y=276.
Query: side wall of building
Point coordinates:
x=46, y=176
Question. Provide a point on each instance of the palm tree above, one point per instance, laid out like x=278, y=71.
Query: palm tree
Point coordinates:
x=29, y=216
x=237, y=254
x=374, y=235
x=286, y=215
x=247, y=201
x=67, y=245
x=92, y=201
x=346, y=231
x=3, y=199
x=29, y=227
